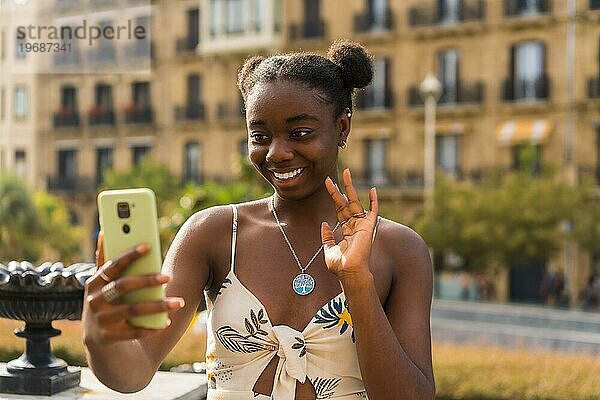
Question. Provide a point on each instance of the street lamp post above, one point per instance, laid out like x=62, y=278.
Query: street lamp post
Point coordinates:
x=430, y=90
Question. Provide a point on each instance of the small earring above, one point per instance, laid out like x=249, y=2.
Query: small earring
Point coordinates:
x=348, y=113
x=342, y=144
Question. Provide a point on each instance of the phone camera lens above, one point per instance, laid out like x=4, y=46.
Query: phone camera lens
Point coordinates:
x=126, y=228
x=123, y=209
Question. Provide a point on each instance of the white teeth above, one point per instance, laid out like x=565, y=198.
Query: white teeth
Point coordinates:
x=288, y=175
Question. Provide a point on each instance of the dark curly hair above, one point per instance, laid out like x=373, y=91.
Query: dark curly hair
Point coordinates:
x=347, y=66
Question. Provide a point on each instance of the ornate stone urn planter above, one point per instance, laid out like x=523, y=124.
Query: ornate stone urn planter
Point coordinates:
x=38, y=296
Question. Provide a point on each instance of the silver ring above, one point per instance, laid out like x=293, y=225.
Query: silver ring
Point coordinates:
x=105, y=277
x=110, y=292
x=361, y=214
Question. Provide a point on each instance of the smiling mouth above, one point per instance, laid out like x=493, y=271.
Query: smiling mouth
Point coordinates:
x=288, y=175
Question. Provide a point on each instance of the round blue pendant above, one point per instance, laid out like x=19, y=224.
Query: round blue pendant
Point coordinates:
x=303, y=284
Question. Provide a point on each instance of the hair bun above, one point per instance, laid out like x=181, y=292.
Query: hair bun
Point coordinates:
x=355, y=63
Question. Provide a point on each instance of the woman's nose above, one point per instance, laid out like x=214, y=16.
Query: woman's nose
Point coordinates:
x=279, y=151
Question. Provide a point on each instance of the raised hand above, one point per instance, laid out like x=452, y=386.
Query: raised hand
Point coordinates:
x=350, y=257
x=104, y=315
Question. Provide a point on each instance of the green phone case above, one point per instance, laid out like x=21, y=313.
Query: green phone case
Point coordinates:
x=143, y=228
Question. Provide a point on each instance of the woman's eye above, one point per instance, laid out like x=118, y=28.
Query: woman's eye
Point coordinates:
x=300, y=133
x=258, y=137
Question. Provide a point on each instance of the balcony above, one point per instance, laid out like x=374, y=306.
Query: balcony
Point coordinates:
x=186, y=45
x=369, y=22
x=71, y=184
x=429, y=15
x=230, y=111
x=593, y=88
x=461, y=94
x=520, y=8
x=371, y=99
x=526, y=90
x=190, y=112
x=66, y=118
x=99, y=116
x=135, y=114
x=307, y=30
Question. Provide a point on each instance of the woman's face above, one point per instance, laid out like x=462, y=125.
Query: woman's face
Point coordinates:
x=293, y=137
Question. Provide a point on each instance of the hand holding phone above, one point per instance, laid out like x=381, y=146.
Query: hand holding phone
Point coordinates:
x=128, y=218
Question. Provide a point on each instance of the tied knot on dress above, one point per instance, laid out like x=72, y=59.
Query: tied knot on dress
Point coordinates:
x=292, y=361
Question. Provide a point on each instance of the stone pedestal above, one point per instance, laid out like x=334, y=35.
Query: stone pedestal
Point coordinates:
x=164, y=386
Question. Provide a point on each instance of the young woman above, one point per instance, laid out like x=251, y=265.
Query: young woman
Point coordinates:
x=309, y=295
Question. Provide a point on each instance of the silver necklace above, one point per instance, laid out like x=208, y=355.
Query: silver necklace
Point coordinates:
x=302, y=283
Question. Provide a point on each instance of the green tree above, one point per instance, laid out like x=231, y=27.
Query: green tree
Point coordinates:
x=20, y=229
x=34, y=225
x=508, y=219
x=61, y=238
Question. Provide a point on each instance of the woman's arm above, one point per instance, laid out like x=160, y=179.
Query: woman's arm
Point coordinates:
x=393, y=344
x=126, y=358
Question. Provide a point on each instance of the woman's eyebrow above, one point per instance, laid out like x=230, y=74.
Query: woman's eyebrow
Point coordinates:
x=257, y=122
x=301, y=117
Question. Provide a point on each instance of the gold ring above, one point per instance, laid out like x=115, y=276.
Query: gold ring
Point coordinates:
x=105, y=277
x=361, y=214
x=110, y=292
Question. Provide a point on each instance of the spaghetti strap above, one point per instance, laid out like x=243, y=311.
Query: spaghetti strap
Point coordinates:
x=233, y=236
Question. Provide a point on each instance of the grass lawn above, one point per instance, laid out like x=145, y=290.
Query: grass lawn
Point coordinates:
x=462, y=372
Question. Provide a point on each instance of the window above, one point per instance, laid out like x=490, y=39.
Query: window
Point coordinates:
x=21, y=103
x=528, y=70
x=106, y=48
x=214, y=17
x=20, y=163
x=67, y=166
x=447, y=66
x=449, y=11
x=379, y=83
x=258, y=15
x=20, y=52
x=193, y=27
x=140, y=93
x=68, y=98
x=191, y=171
x=236, y=21
x=312, y=18
x=103, y=97
x=378, y=18
x=376, y=160
x=103, y=163
x=446, y=151
x=138, y=154
x=193, y=84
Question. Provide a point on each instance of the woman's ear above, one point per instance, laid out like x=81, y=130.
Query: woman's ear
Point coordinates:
x=344, y=124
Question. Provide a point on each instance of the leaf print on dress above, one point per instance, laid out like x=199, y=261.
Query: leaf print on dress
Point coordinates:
x=299, y=345
x=325, y=387
x=335, y=313
x=226, y=282
x=236, y=342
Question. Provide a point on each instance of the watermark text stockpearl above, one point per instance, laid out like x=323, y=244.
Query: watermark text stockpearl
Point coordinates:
x=84, y=31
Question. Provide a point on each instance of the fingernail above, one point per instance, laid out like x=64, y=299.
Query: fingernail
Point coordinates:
x=176, y=303
x=142, y=248
x=162, y=278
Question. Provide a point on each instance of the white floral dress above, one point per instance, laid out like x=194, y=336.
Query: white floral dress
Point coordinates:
x=241, y=342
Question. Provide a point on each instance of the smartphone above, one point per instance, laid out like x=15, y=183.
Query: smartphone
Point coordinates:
x=128, y=217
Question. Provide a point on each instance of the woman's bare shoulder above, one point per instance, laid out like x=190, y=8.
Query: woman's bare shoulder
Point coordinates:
x=404, y=249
